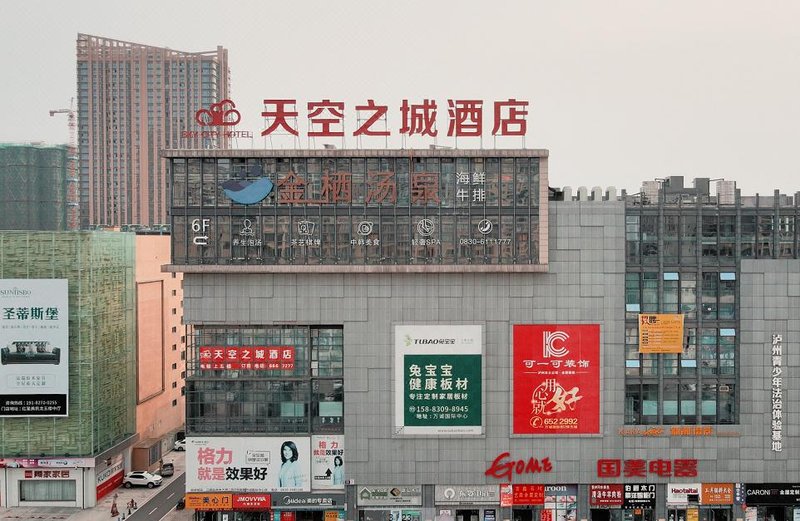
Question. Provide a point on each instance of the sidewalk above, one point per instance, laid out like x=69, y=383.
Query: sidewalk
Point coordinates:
x=103, y=509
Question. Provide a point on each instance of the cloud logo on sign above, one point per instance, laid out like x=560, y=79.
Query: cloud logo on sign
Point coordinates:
x=247, y=192
x=549, y=340
x=218, y=115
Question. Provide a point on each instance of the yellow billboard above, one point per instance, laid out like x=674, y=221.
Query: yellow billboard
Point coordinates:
x=203, y=501
x=661, y=333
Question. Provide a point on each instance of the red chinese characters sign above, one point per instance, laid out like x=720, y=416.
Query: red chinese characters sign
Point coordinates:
x=326, y=118
x=605, y=495
x=556, y=379
x=270, y=358
x=528, y=495
x=632, y=468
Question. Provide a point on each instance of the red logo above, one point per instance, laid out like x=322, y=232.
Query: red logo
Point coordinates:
x=218, y=115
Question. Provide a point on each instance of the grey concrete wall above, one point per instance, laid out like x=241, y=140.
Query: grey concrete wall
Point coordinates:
x=585, y=284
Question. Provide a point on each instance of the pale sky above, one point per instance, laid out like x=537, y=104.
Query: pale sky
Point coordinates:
x=620, y=91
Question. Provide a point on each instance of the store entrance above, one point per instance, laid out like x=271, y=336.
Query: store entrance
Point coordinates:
x=467, y=515
x=639, y=514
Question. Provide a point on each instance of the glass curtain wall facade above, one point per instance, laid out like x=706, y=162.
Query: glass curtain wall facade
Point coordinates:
x=102, y=348
x=308, y=399
x=683, y=253
x=135, y=100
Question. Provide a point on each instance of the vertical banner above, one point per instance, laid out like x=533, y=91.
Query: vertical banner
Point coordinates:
x=327, y=463
x=438, y=387
x=34, y=344
x=556, y=375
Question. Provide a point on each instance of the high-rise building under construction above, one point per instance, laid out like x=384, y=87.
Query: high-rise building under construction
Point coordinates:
x=133, y=101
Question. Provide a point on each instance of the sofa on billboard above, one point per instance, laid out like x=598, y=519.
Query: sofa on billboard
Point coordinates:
x=27, y=352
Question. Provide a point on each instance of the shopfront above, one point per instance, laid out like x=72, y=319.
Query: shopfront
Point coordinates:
x=467, y=503
x=683, y=501
x=772, y=501
x=628, y=502
x=716, y=502
x=45, y=487
x=545, y=502
x=389, y=503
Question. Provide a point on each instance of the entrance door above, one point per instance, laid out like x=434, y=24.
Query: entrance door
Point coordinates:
x=467, y=515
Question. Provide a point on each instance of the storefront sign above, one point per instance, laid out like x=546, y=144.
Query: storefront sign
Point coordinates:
x=692, y=514
x=261, y=358
x=46, y=463
x=777, y=393
x=110, y=477
x=772, y=494
x=389, y=495
x=506, y=495
x=248, y=464
x=208, y=502
x=327, y=464
x=46, y=474
x=716, y=494
x=629, y=468
x=639, y=495
x=475, y=495
x=556, y=379
x=34, y=347
x=251, y=501
x=504, y=467
x=609, y=495
x=661, y=333
x=683, y=493
x=300, y=501
x=438, y=379
x=527, y=495
x=489, y=514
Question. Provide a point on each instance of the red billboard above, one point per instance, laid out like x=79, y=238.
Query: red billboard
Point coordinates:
x=271, y=358
x=556, y=379
x=252, y=501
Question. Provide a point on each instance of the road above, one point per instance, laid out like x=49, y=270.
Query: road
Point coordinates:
x=161, y=504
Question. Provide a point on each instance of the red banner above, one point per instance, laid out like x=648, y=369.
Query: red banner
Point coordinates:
x=252, y=501
x=557, y=379
x=605, y=495
x=528, y=495
x=270, y=358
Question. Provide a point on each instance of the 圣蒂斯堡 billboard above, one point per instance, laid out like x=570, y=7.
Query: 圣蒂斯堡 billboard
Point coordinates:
x=251, y=464
x=34, y=347
x=438, y=379
x=556, y=371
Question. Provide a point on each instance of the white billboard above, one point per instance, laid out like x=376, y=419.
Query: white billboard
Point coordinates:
x=34, y=347
x=438, y=380
x=248, y=464
x=328, y=463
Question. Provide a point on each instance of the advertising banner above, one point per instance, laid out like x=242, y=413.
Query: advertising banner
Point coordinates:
x=438, y=375
x=603, y=495
x=661, y=333
x=34, y=347
x=263, y=358
x=110, y=477
x=248, y=464
x=556, y=375
x=327, y=463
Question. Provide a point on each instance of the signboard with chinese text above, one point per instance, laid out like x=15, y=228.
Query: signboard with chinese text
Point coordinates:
x=251, y=501
x=772, y=494
x=661, y=333
x=716, y=494
x=464, y=495
x=438, y=379
x=386, y=208
x=260, y=358
x=110, y=477
x=302, y=501
x=382, y=495
x=608, y=495
x=556, y=375
x=248, y=464
x=527, y=495
x=678, y=493
x=639, y=495
x=34, y=347
x=208, y=502
x=327, y=462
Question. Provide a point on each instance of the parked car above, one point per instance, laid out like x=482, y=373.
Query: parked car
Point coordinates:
x=166, y=470
x=141, y=478
x=180, y=444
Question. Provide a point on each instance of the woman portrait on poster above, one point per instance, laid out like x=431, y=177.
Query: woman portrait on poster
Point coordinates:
x=338, y=471
x=290, y=474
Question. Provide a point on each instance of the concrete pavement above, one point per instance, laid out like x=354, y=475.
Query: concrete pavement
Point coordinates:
x=103, y=509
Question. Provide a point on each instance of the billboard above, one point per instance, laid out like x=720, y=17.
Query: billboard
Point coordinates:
x=34, y=347
x=327, y=463
x=252, y=464
x=438, y=387
x=661, y=333
x=556, y=371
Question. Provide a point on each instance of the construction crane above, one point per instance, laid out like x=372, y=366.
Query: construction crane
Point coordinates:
x=73, y=205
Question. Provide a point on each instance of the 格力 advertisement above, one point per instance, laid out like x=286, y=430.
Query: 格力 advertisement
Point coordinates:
x=327, y=462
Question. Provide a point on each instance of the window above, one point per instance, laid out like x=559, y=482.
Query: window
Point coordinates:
x=174, y=366
x=174, y=403
x=47, y=490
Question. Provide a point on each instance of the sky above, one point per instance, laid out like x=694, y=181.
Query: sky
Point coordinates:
x=619, y=91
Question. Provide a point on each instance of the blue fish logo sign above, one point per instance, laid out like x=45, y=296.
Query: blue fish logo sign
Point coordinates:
x=247, y=192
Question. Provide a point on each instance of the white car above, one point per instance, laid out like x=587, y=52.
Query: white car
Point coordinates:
x=180, y=444
x=141, y=478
